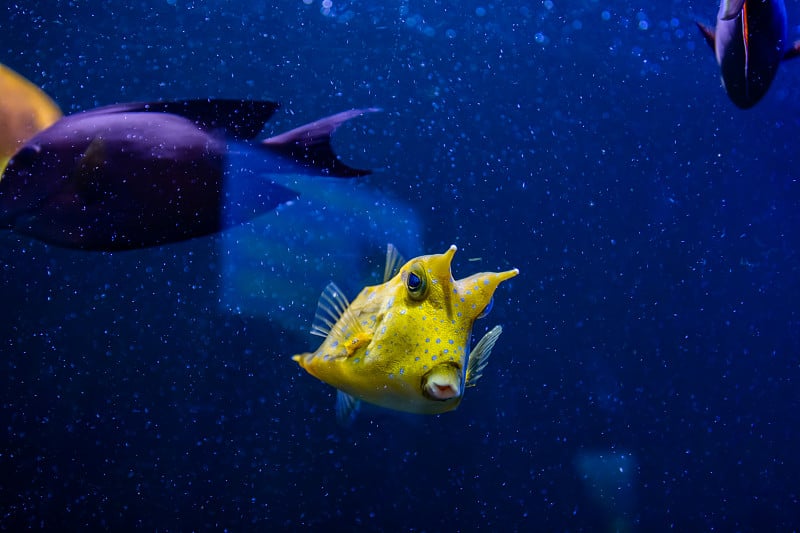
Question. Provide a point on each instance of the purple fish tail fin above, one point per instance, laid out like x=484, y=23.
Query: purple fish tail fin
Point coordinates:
x=310, y=145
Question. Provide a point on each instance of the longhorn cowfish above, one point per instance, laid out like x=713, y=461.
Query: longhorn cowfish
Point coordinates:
x=404, y=344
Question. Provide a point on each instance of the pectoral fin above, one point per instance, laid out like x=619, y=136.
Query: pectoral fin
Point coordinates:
x=708, y=34
x=334, y=317
x=346, y=408
x=88, y=181
x=479, y=357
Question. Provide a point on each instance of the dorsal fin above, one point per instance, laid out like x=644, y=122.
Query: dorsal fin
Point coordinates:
x=479, y=357
x=334, y=315
x=394, y=260
x=310, y=144
x=239, y=119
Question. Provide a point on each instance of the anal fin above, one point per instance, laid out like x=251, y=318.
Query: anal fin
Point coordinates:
x=346, y=408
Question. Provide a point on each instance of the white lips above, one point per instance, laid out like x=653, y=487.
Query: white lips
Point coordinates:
x=441, y=391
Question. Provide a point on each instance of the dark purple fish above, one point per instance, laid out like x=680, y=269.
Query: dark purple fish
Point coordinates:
x=144, y=174
x=749, y=42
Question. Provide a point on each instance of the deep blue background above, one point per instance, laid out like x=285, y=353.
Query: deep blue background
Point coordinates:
x=648, y=373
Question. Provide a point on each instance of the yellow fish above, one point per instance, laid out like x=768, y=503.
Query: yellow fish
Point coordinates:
x=25, y=110
x=404, y=344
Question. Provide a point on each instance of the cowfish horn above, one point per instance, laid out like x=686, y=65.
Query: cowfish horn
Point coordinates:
x=439, y=264
x=477, y=290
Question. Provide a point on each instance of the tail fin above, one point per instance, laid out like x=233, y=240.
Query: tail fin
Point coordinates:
x=310, y=145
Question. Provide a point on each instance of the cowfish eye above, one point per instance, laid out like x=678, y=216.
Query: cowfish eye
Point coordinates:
x=417, y=282
x=487, y=309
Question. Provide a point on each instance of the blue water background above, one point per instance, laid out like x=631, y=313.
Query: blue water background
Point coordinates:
x=647, y=377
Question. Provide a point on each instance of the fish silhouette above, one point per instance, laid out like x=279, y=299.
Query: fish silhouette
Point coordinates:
x=136, y=175
x=749, y=42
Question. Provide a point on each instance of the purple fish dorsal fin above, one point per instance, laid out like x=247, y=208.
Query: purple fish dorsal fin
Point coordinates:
x=310, y=144
x=239, y=119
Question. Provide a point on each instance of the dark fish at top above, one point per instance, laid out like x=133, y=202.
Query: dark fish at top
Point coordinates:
x=749, y=42
x=144, y=174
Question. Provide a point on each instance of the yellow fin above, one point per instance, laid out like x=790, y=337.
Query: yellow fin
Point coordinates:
x=334, y=315
x=394, y=260
x=25, y=110
x=479, y=357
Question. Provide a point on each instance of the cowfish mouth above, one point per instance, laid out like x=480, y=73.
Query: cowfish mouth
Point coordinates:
x=442, y=382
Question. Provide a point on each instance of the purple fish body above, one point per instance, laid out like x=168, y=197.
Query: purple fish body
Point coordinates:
x=137, y=175
x=749, y=42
